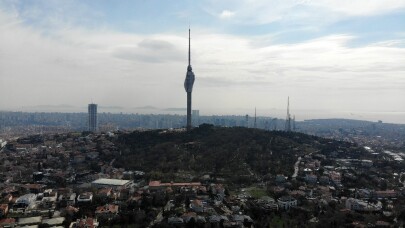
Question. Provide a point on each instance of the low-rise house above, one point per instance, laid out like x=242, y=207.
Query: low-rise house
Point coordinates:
x=197, y=205
x=107, y=211
x=158, y=185
x=128, y=175
x=218, y=189
x=49, y=198
x=67, y=199
x=363, y=193
x=363, y=206
x=336, y=178
x=311, y=178
x=286, y=202
x=85, y=223
x=175, y=220
x=267, y=203
x=297, y=193
x=35, y=188
x=111, y=183
x=85, y=197
x=367, y=163
x=280, y=178
x=79, y=158
x=8, y=222
x=29, y=221
x=53, y=222
x=26, y=200
x=385, y=194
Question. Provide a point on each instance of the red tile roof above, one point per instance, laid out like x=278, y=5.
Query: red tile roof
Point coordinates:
x=109, y=208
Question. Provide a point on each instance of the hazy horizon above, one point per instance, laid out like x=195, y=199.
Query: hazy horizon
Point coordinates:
x=301, y=115
x=335, y=59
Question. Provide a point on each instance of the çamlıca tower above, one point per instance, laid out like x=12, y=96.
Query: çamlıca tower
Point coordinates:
x=188, y=84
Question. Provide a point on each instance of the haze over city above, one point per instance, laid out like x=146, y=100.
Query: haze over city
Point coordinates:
x=335, y=59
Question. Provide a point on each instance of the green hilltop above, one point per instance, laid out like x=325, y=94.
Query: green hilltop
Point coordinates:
x=239, y=155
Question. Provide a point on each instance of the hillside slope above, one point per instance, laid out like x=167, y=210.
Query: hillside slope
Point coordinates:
x=235, y=153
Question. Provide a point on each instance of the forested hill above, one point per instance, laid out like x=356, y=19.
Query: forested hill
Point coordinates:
x=224, y=152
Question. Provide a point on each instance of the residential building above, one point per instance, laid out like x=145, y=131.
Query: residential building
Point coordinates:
x=8, y=223
x=92, y=108
x=85, y=197
x=360, y=205
x=113, y=183
x=26, y=200
x=385, y=194
x=29, y=221
x=107, y=211
x=155, y=185
x=67, y=199
x=311, y=178
x=286, y=202
x=197, y=205
x=85, y=223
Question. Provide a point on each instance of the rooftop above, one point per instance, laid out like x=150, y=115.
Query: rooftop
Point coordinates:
x=116, y=182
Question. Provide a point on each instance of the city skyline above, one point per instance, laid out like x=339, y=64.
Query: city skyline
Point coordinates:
x=328, y=56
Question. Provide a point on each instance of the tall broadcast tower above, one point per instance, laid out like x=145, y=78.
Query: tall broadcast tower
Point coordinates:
x=188, y=84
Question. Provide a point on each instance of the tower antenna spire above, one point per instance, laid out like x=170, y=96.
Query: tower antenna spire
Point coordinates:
x=189, y=44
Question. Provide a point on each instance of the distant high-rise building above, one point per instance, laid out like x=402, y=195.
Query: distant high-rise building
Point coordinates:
x=293, y=122
x=92, y=117
x=255, y=123
x=188, y=84
x=196, y=117
x=288, y=118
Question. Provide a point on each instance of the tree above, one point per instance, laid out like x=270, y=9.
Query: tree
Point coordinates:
x=191, y=223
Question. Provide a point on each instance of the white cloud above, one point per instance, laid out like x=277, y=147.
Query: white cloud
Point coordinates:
x=74, y=65
x=225, y=14
x=360, y=7
x=304, y=12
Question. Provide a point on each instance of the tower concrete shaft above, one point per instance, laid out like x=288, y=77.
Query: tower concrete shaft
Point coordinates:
x=188, y=84
x=189, y=111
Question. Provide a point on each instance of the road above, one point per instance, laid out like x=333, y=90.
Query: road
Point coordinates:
x=296, y=168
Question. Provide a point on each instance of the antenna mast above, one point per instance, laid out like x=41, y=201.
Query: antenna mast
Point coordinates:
x=255, y=125
x=294, y=123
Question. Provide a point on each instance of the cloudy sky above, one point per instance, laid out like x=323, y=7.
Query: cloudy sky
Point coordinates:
x=334, y=58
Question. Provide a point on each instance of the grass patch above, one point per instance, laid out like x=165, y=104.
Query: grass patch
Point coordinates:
x=257, y=192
